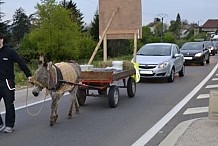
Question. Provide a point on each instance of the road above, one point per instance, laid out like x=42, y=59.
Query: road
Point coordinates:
x=99, y=125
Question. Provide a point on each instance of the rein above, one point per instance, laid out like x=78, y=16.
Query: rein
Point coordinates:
x=37, y=83
x=27, y=109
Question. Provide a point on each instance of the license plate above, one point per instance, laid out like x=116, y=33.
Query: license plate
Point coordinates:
x=146, y=72
x=188, y=58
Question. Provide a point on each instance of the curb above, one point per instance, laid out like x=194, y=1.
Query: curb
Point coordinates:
x=176, y=133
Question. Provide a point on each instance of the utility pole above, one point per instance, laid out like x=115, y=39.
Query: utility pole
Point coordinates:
x=162, y=16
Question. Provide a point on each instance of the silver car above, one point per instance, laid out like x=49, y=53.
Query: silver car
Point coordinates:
x=160, y=60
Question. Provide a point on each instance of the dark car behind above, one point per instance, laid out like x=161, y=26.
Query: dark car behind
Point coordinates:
x=211, y=47
x=195, y=52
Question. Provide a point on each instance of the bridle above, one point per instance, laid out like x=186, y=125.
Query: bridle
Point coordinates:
x=37, y=83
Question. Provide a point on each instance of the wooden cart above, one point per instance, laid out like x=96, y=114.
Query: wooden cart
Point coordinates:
x=102, y=80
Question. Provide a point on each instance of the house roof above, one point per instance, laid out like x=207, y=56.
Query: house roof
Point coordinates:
x=152, y=24
x=211, y=23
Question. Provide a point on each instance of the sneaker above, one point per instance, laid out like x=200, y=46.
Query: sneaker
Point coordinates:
x=8, y=130
x=2, y=127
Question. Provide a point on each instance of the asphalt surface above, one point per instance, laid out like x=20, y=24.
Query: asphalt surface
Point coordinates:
x=196, y=132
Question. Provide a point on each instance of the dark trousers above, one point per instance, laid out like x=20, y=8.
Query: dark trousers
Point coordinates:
x=8, y=97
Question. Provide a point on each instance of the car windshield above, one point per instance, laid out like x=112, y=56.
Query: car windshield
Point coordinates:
x=192, y=46
x=155, y=50
x=215, y=43
x=208, y=44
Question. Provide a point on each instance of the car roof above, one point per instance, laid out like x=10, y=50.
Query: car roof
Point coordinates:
x=160, y=44
x=193, y=42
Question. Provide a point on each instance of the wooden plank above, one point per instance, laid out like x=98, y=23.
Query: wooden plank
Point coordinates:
x=135, y=47
x=105, y=48
x=102, y=37
x=105, y=77
x=96, y=76
x=123, y=74
x=122, y=31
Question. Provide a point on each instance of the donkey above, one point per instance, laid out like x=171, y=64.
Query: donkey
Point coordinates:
x=51, y=77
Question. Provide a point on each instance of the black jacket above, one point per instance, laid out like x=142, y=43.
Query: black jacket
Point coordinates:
x=8, y=57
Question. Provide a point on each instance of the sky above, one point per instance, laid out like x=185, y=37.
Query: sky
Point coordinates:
x=194, y=11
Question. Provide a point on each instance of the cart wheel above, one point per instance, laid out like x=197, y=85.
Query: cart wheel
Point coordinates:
x=113, y=96
x=131, y=87
x=81, y=96
x=102, y=92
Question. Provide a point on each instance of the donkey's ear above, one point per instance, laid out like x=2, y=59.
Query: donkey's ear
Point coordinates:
x=49, y=65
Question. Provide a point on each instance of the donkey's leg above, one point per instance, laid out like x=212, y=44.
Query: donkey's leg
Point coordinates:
x=74, y=101
x=54, y=105
x=77, y=105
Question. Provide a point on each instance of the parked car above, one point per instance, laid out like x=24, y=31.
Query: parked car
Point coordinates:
x=160, y=60
x=211, y=47
x=215, y=44
x=195, y=52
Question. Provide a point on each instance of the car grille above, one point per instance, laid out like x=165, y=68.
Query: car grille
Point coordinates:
x=152, y=75
x=146, y=66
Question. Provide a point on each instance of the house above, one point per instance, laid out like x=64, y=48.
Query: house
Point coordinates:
x=210, y=26
x=186, y=29
x=153, y=24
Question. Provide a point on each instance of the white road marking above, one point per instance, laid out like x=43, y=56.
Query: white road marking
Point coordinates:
x=144, y=139
x=215, y=79
x=34, y=103
x=202, y=96
x=211, y=86
x=196, y=110
x=216, y=74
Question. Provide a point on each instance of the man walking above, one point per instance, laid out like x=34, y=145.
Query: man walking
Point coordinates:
x=8, y=57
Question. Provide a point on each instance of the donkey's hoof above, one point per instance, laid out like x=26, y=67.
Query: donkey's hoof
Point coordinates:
x=51, y=123
x=55, y=118
x=69, y=116
x=77, y=112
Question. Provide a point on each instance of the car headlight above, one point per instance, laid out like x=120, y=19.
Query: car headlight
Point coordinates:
x=198, y=54
x=164, y=64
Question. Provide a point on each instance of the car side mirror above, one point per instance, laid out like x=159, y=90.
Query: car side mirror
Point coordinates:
x=177, y=55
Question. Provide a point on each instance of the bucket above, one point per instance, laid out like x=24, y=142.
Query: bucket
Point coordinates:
x=86, y=67
x=118, y=65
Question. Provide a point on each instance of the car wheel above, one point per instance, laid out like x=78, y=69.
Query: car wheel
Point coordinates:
x=182, y=71
x=208, y=60
x=202, y=62
x=171, y=77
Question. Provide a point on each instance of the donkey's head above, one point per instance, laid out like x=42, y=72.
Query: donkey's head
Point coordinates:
x=41, y=78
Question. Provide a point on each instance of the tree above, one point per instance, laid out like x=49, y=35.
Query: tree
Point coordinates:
x=178, y=19
x=175, y=26
x=146, y=34
x=94, y=30
x=20, y=26
x=1, y=13
x=58, y=37
x=75, y=14
x=4, y=25
x=169, y=37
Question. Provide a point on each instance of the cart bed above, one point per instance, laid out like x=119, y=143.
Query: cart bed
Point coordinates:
x=104, y=76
